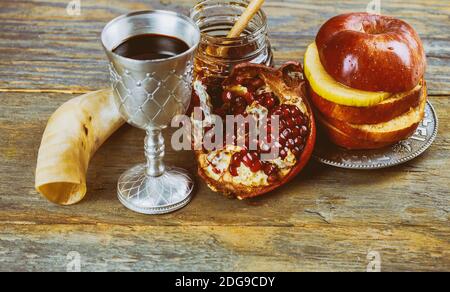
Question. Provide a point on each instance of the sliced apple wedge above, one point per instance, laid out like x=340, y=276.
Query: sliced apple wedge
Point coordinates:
x=325, y=86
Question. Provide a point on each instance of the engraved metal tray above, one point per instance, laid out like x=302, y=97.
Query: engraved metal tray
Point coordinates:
x=404, y=151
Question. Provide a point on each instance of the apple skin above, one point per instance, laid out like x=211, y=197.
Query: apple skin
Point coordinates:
x=371, y=52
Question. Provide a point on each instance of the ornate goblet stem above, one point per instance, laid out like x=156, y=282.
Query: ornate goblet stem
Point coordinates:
x=154, y=152
x=148, y=95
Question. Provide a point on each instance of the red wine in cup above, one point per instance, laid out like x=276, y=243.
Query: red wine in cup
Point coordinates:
x=147, y=47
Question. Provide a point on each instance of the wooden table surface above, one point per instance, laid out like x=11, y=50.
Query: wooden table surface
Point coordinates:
x=326, y=219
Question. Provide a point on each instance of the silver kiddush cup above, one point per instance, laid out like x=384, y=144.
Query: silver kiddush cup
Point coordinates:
x=148, y=95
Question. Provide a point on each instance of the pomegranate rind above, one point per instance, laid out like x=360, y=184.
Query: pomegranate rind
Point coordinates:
x=287, y=82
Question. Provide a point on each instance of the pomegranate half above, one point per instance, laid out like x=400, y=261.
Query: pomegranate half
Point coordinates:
x=255, y=90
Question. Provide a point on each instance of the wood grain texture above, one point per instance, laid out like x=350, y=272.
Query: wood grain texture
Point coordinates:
x=326, y=219
x=312, y=247
x=41, y=46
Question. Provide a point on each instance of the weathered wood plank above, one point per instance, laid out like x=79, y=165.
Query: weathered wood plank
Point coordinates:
x=312, y=247
x=413, y=194
x=43, y=47
x=326, y=219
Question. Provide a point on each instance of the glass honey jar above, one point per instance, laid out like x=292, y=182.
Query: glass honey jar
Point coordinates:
x=217, y=54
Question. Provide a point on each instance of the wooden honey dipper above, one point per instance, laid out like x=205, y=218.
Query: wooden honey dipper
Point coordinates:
x=242, y=23
x=245, y=18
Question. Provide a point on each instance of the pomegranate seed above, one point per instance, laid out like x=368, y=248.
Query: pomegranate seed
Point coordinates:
x=296, y=132
x=298, y=120
x=291, y=123
x=283, y=154
x=286, y=133
x=269, y=102
x=293, y=127
x=249, y=97
x=236, y=160
x=247, y=160
x=303, y=131
x=254, y=156
x=233, y=170
x=227, y=96
x=290, y=143
x=239, y=100
x=260, y=98
x=296, y=111
x=256, y=166
x=269, y=169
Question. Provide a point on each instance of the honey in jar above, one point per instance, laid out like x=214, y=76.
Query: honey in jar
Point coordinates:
x=217, y=54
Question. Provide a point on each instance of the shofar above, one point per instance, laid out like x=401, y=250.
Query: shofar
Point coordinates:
x=73, y=134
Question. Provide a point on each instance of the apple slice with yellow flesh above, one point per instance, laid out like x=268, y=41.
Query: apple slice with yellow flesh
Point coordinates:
x=327, y=87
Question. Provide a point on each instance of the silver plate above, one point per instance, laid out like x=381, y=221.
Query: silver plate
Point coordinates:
x=404, y=151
